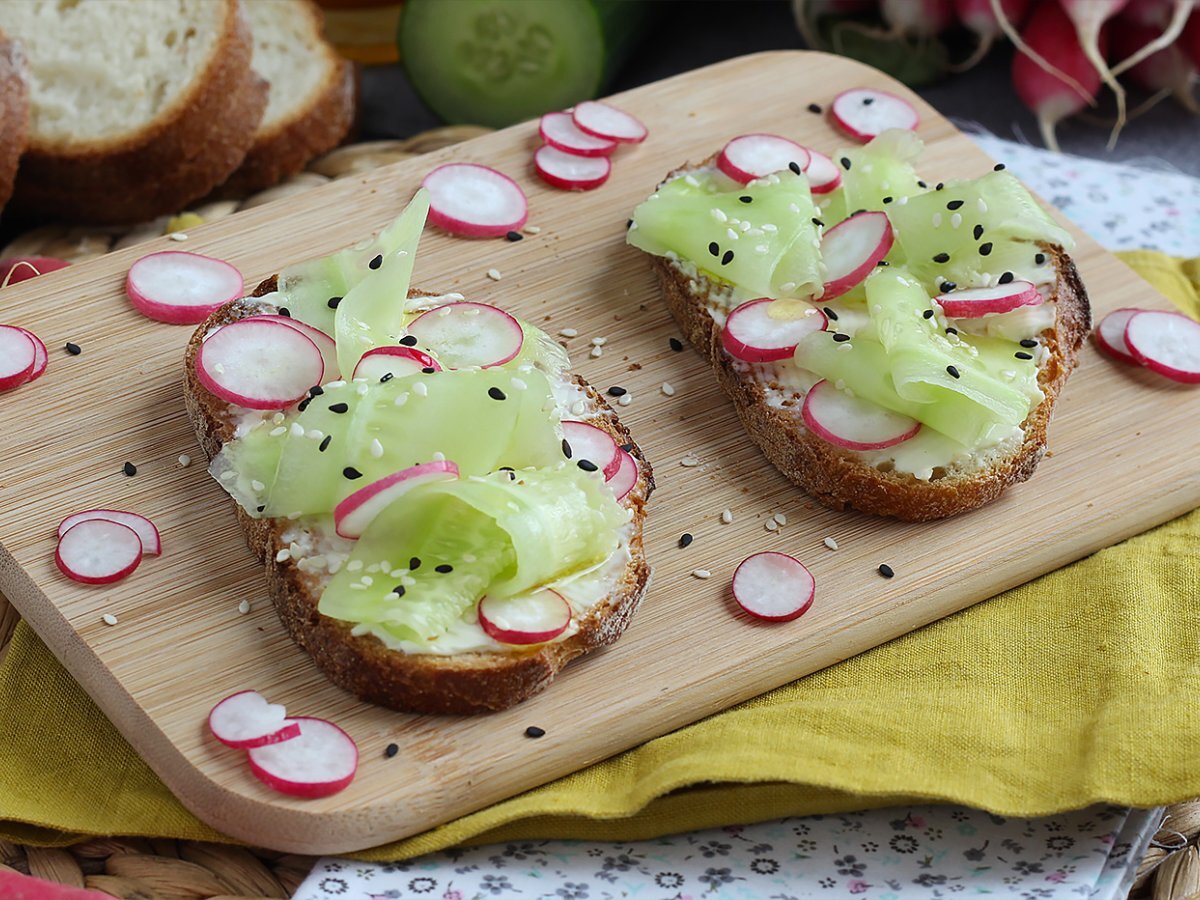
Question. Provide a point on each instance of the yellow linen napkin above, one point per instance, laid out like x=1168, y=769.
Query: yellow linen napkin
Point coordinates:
x=1073, y=689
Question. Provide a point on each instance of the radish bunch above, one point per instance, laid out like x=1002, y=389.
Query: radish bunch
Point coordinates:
x=100, y=546
x=577, y=144
x=1164, y=342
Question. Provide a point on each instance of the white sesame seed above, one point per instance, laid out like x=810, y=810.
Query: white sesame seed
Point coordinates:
x=902, y=201
x=744, y=226
x=727, y=516
x=780, y=518
x=668, y=389
x=982, y=206
x=771, y=525
x=792, y=207
x=367, y=580
x=731, y=234
x=283, y=555
x=184, y=460
x=625, y=400
x=494, y=274
x=108, y=619
x=937, y=219
x=830, y=543
x=955, y=220
x=719, y=216
x=401, y=399
x=314, y=434
x=761, y=248
x=361, y=390
x=596, y=353
x=438, y=456
x=228, y=475
x=376, y=448
x=244, y=607
x=788, y=286
x=689, y=462
x=421, y=389
x=518, y=384
x=599, y=341
x=691, y=179
x=569, y=332
x=770, y=228
x=532, y=229
x=178, y=235
x=277, y=431
x=701, y=574
x=278, y=418
x=357, y=587
x=845, y=348
x=472, y=310
x=257, y=485
x=220, y=368
x=354, y=565
x=332, y=384
x=578, y=408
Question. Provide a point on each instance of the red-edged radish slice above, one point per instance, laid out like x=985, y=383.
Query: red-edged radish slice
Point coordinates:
x=822, y=173
x=247, y=720
x=603, y=120
x=469, y=334
x=587, y=442
x=98, y=551
x=395, y=362
x=527, y=619
x=352, y=516
x=773, y=586
x=142, y=527
x=326, y=344
x=18, y=356
x=851, y=249
x=753, y=335
x=864, y=113
x=15, y=886
x=181, y=288
x=1001, y=298
x=559, y=130
x=1110, y=334
x=751, y=156
x=41, y=357
x=475, y=201
x=569, y=172
x=321, y=761
x=15, y=269
x=625, y=477
x=259, y=364
x=1167, y=343
x=853, y=423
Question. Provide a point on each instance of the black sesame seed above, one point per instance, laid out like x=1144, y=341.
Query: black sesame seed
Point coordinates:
x=333, y=302
x=939, y=185
x=727, y=258
x=351, y=473
x=954, y=204
x=978, y=232
x=387, y=376
x=685, y=539
x=428, y=370
x=746, y=199
x=1021, y=354
x=998, y=167
x=628, y=448
x=566, y=448
x=951, y=331
x=840, y=338
x=260, y=508
x=985, y=249
x=515, y=236
x=496, y=394
x=285, y=312
x=928, y=314
x=920, y=183
x=376, y=262
x=398, y=590
x=887, y=199
x=316, y=391
x=444, y=569
x=676, y=345
x=953, y=371
x=129, y=469
x=1038, y=259
x=714, y=248
x=414, y=564
x=818, y=223
x=1006, y=277
x=845, y=161
x=1029, y=342
x=795, y=167
x=409, y=340
x=73, y=349
x=814, y=108
x=628, y=224
x=325, y=442
x=339, y=407
x=587, y=465
x=534, y=732
x=829, y=314
x=303, y=404
x=942, y=258
x=507, y=470
x=886, y=571
x=615, y=391
x=947, y=287
x=391, y=750
x=883, y=262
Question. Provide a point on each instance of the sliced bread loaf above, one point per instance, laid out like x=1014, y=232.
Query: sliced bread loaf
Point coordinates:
x=137, y=106
x=14, y=113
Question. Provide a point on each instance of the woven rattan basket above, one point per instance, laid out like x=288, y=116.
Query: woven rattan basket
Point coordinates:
x=163, y=869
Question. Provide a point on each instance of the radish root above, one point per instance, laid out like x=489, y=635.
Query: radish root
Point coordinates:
x=1164, y=40
x=1011, y=33
x=13, y=271
x=981, y=50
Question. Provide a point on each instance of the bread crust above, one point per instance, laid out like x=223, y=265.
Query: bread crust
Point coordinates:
x=839, y=478
x=463, y=683
x=181, y=155
x=14, y=113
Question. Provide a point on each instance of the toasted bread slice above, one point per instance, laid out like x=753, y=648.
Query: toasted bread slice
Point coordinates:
x=469, y=682
x=138, y=106
x=313, y=94
x=14, y=113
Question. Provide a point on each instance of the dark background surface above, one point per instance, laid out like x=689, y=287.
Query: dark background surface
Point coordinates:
x=695, y=33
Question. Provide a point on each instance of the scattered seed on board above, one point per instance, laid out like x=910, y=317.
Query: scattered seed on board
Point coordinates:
x=726, y=516
x=109, y=619
x=244, y=607
x=830, y=543
x=685, y=539
x=599, y=341
x=625, y=400
x=72, y=348
x=494, y=274
x=184, y=460
x=780, y=519
x=689, y=462
x=668, y=389
x=701, y=574
x=771, y=525
x=532, y=229
x=534, y=732
x=129, y=469
x=597, y=352
x=569, y=332
x=178, y=235
x=886, y=571
x=391, y=750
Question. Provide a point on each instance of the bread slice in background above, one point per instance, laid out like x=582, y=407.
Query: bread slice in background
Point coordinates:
x=14, y=113
x=313, y=96
x=137, y=106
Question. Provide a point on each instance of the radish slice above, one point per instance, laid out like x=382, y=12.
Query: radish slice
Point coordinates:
x=571, y=173
x=751, y=156
x=625, y=477
x=18, y=356
x=527, y=619
x=259, y=365
x=246, y=720
x=15, y=886
x=605, y=121
x=1167, y=343
x=469, y=334
x=822, y=173
x=1110, y=334
x=851, y=422
x=352, y=516
x=41, y=357
x=559, y=130
x=851, y=249
x=773, y=586
x=753, y=335
x=587, y=442
x=320, y=762
x=21, y=268
x=98, y=551
x=475, y=201
x=142, y=527
x=864, y=114
x=395, y=362
x=181, y=288
x=975, y=302
x=326, y=344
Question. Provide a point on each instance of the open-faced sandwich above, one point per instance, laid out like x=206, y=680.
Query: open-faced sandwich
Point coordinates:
x=894, y=345
x=447, y=517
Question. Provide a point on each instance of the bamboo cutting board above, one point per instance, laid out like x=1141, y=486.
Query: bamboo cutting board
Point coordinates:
x=181, y=644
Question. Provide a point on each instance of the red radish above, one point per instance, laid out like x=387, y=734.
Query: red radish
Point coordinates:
x=246, y=720
x=864, y=113
x=98, y=551
x=853, y=423
x=15, y=886
x=975, y=302
x=326, y=344
x=1110, y=334
x=142, y=527
x=822, y=173
x=625, y=477
x=751, y=156
x=22, y=268
x=258, y=364
x=469, y=334
x=394, y=362
x=1088, y=17
x=475, y=201
x=41, y=357
x=593, y=444
x=979, y=17
x=1157, y=41
x=181, y=288
x=569, y=172
x=773, y=586
x=1167, y=343
x=18, y=356
x=353, y=515
x=851, y=249
x=1189, y=41
x=559, y=130
x=606, y=121
x=321, y=761
x=1167, y=70
x=752, y=334
x=528, y=619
